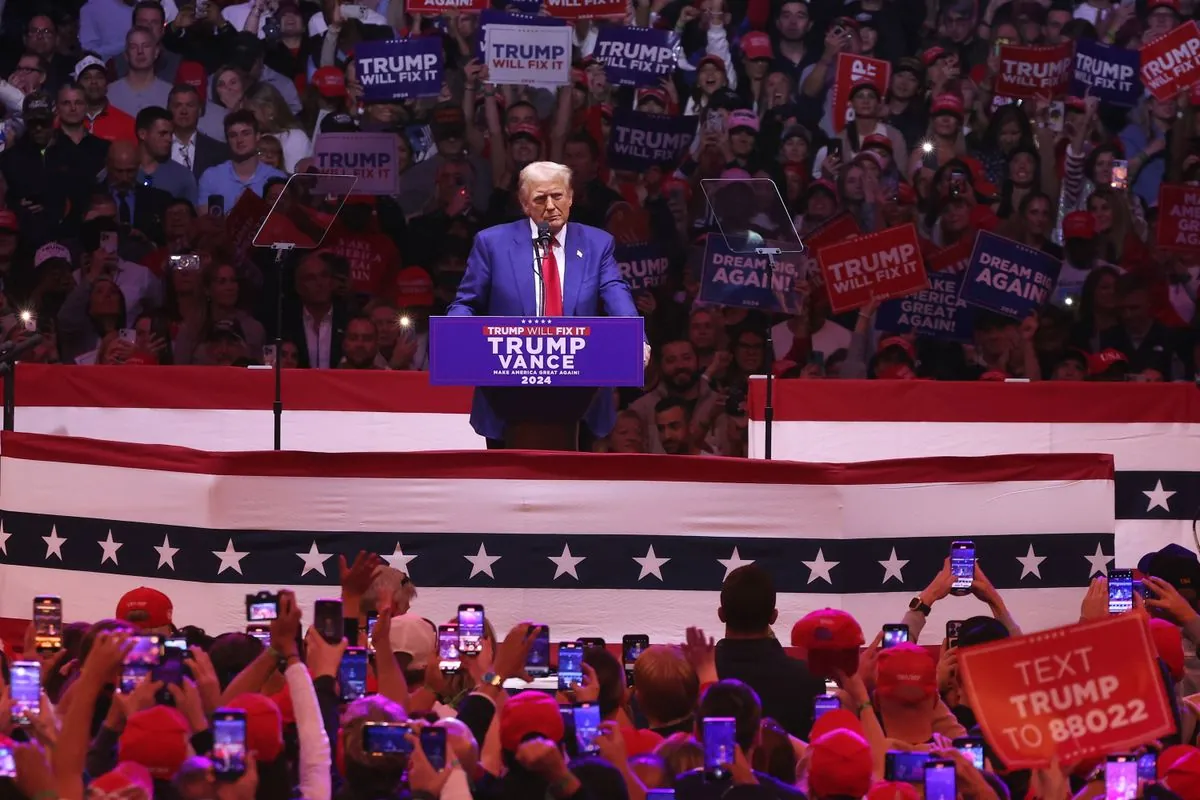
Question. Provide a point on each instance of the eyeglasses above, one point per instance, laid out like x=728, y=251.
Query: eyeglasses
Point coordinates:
x=39, y=32
x=29, y=69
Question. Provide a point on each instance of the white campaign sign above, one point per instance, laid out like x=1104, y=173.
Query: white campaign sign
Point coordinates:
x=528, y=55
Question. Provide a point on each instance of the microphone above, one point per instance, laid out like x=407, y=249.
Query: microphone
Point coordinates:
x=543, y=236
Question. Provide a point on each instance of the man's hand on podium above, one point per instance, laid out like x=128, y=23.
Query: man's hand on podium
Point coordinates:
x=645, y=354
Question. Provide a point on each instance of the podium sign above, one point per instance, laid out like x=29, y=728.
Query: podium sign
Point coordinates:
x=517, y=351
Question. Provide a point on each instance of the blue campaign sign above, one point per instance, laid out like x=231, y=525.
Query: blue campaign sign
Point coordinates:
x=515, y=351
x=740, y=279
x=635, y=56
x=398, y=69
x=1111, y=73
x=640, y=141
x=1007, y=277
x=936, y=312
x=643, y=266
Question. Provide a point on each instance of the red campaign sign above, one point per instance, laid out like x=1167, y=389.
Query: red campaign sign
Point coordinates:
x=1178, y=217
x=954, y=258
x=1079, y=692
x=243, y=221
x=370, y=256
x=584, y=9
x=1027, y=71
x=876, y=266
x=1171, y=63
x=837, y=228
x=850, y=70
x=442, y=6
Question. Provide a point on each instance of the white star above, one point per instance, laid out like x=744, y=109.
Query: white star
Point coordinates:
x=397, y=560
x=110, y=549
x=733, y=562
x=1031, y=564
x=566, y=563
x=820, y=568
x=54, y=543
x=482, y=562
x=314, y=560
x=166, y=553
x=1158, y=497
x=230, y=558
x=1098, y=564
x=892, y=567
x=651, y=564
x=4, y=538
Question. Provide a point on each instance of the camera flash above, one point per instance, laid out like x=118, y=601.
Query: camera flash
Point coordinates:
x=26, y=315
x=1069, y=301
x=405, y=322
x=927, y=147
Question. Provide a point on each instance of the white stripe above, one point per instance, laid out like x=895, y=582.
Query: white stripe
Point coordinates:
x=664, y=616
x=437, y=505
x=223, y=430
x=1134, y=445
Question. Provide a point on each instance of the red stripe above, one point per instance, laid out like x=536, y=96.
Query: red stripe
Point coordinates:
x=233, y=388
x=940, y=401
x=509, y=465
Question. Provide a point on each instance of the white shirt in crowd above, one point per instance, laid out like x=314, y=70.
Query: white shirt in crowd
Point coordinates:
x=319, y=338
x=828, y=338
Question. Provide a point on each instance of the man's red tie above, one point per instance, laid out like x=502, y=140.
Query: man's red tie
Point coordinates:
x=551, y=285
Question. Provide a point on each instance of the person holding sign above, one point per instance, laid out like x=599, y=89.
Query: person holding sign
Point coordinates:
x=577, y=276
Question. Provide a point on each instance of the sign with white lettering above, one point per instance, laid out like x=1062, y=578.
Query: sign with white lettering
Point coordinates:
x=435, y=7
x=525, y=16
x=584, y=9
x=1027, y=71
x=528, y=55
x=1008, y=277
x=398, y=69
x=935, y=312
x=876, y=266
x=640, y=141
x=740, y=279
x=1178, y=217
x=634, y=56
x=370, y=157
x=1171, y=63
x=1108, y=72
x=643, y=266
x=1077, y=692
x=852, y=69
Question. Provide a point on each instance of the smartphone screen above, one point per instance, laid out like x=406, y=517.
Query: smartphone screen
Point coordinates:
x=570, y=664
x=894, y=635
x=1120, y=591
x=972, y=748
x=940, y=783
x=962, y=565
x=147, y=651
x=229, y=742
x=386, y=737
x=538, y=663
x=1121, y=778
x=216, y=205
x=720, y=745
x=47, y=623
x=1147, y=766
x=660, y=794
x=433, y=742
x=372, y=618
x=327, y=619
x=470, y=629
x=587, y=726
x=448, y=658
x=632, y=647
x=352, y=673
x=262, y=607
x=823, y=704
x=1120, y=173
x=25, y=689
x=903, y=765
x=952, y=628
x=8, y=765
x=260, y=631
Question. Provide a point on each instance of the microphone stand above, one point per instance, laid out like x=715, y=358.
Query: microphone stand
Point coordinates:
x=281, y=251
x=769, y=406
x=9, y=354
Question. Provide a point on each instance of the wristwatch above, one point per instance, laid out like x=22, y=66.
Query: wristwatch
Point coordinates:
x=916, y=605
x=492, y=679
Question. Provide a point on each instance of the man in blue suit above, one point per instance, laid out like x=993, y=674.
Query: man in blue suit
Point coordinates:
x=578, y=277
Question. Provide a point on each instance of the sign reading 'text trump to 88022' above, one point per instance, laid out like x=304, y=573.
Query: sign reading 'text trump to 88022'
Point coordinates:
x=515, y=351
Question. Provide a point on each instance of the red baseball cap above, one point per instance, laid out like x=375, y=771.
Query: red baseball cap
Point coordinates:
x=264, y=725
x=639, y=741
x=931, y=55
x=898, y=341
x=757, y=44
x=654, y=93
x=893, y=790
x=827, y=629
x=947, y=103
x=1171, y=4
x=152, y=608
x=906, y=672
x=126, y=780
x=863, y=83
x=8, y=222
x=1075, y=103
x=526, y=129
x=711, y=59
x=833, y=720
x=906, y=195
x=1079, y=225
x=414, y=288
x=330, y=82
x=1099, y=363
x=1168, y=641
x=156, y=738
x=1183, y=775
x=994, y=375
x=192, y=74
x=840, y=764
x=1176, y=752
x=877, y=140
x=529, y=713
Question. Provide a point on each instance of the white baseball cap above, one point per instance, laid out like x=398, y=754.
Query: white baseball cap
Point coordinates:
x=86, y=63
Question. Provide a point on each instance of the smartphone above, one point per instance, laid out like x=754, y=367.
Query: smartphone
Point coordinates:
x=185, y=263
x=823, y=704
x=47, y=623
x=538, y=663
x=835, y=148
x=570, y=664
x=327, y=619
x=962, y=566
x=894, y=634
x=448, y=658
x=714, y=122
x=972, y=749
x=352, y=673
x=147, y=651
x=260, y=631
x=591, y=641
x=632, y=646
x=268, y=357
x=176, y=647
x=1120, y=174
x=25, y=689
x=433, y=742
x=353, y=11
x=660, y=794
x=229, y=742
x=953, y=626
x=470, y=629
x=170, y=673
x=1056, y=114
x=1120, y=591
x=8, y=765
x=128, y=335
x=587, y=727
x=958, y=184
x=904, y=765
x=720, y=746
x=567, y=715
x=940, y=780
x=1121, y=777
x=262, y=606
x=1147, y=768
x=372, y=618
x=109, y=241
x=385, y=738
x=216, y=205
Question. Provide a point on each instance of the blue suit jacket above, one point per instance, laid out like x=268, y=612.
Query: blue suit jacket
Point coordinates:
x=499, y=281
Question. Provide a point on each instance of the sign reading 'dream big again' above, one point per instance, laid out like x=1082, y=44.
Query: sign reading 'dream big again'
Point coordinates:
x=516, y=351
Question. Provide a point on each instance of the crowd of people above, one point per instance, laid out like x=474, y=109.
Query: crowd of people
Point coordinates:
x=837, y=723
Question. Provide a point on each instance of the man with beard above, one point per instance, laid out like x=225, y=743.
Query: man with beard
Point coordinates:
x=680, y=379
x=673, y=422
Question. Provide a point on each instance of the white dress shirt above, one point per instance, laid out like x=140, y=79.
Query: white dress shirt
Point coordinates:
x=560, y=257
x=319, y=338
x=184, y=154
